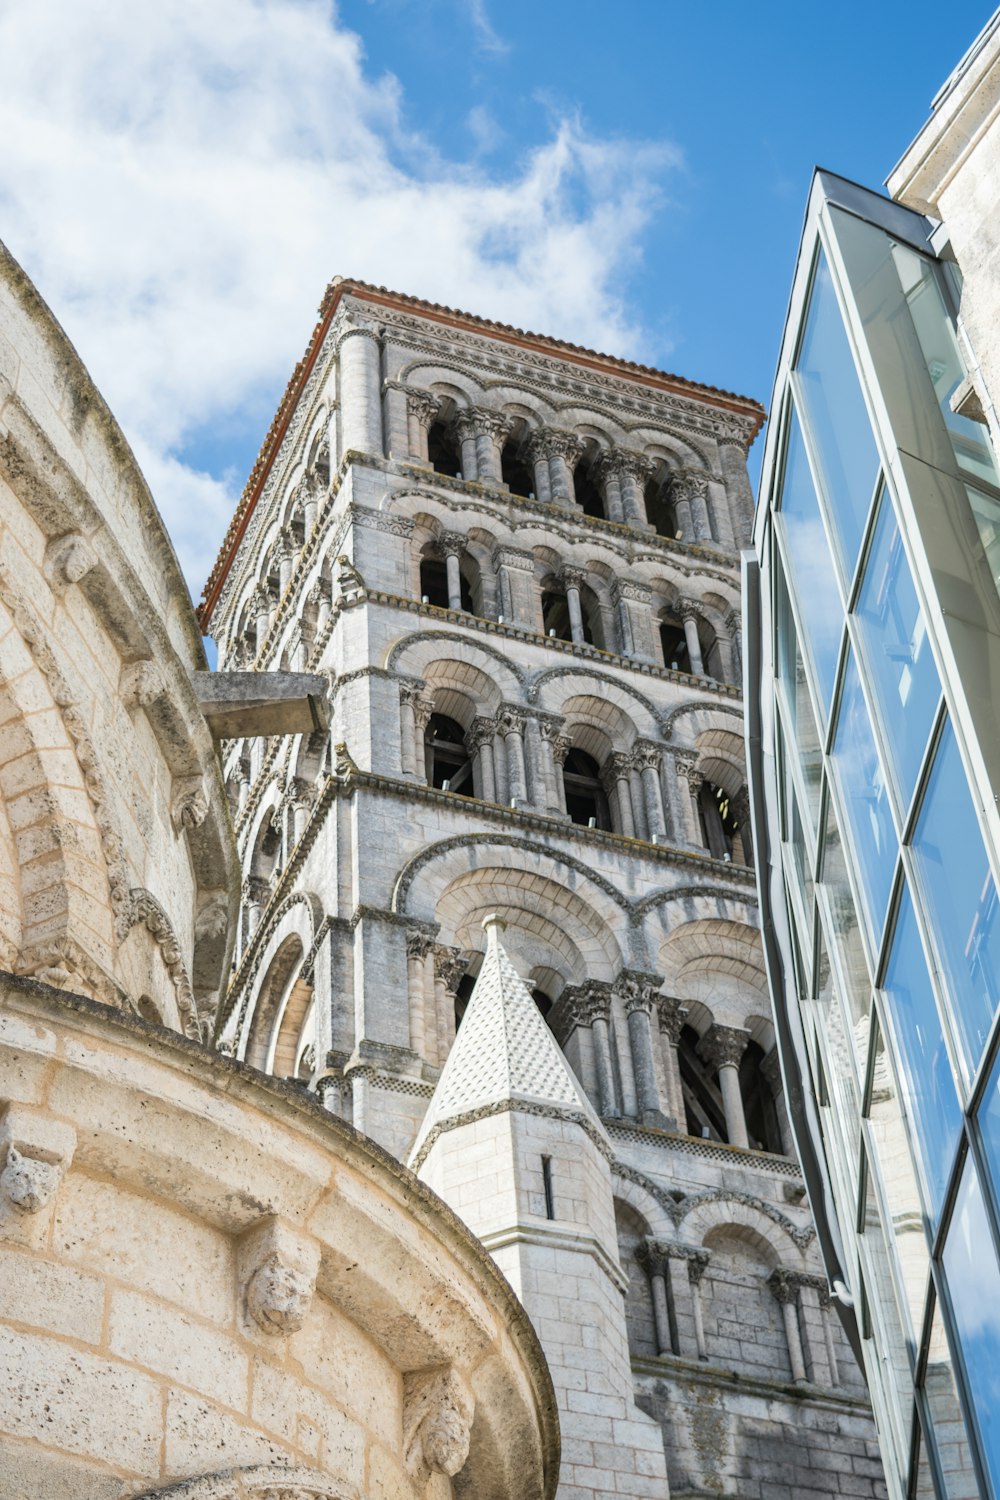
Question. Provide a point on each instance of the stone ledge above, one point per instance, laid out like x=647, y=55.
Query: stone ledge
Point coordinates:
x=701, y=1372
x=691, y=1145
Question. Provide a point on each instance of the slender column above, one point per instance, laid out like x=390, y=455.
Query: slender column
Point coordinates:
x=409, y=694
x=632, y=602
x=324, y=608
x=561, y=746
x=256, y=891
x=537, y=453
x=418, y=946
x=563, y=450
x=450, y=965
x=360, y=393
x=243, y=787
x=312, y=490
x=303, y=796
x=741, y=811
x=689, y=614
x=696, y=1270
x=652, y=1256
x=360, y=1090
x=732, y=442
x=492, y=427
x=620, y=787
x=722, y=1047
x=635, y=470
x=537, y=789
x=638, y=992
x=260, y=610
x=555, y=794
x=594, y=1010
x=479, y=742
x=572, y=579
x=608, y=470
x=423, y=707
x=452, y=544
x=638, y=797
x=695, y=485
x=421, y=409
x=771, y=1069
x=648, y=757
x=672, y=1014
x=285, y=553
x=831, y=1352
x=734, y=624
x=692, y=781
x=511, y=722
x=465, y=431
x=681, y=500
x=784, y=1288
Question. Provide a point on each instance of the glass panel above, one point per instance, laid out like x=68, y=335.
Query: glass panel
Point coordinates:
x=841, y=924
x=798, y=717
x=890, y=1157
x=892, y=1353
x=840, y=1065
x=947, y=1425
x=867, y=804
x=960, y=899
x=810, y=564
x=896, y=651
x=973, y=1278
x=829, y=397
x=986, y=514
x=926, y=1084
x=921, y=1480
x=989, y=1126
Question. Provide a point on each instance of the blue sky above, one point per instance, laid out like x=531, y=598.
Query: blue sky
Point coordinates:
x=182, y=180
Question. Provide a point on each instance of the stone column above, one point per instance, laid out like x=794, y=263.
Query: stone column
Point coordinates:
x=620, y=789
x=784, y=1287
x=681, y=500
x=696, y=486
x=452, y=545
x=814, y=1330
x=418, y=950
x=421, y=409
x=537, y=786
x=465, y=432
x=594, y=1009
x=572, y=580
x=285, y=552
x=632, y=602
x=671, y=1015
x=689, y=614
x=691, y=780
x=743, y=839
x=480, y=741
x=563, y=450
x=551, y=774
x=423, y=707
x=409, y=696
x=653, y=1256
x=722, y=1047
x=635, y=470
x=298, y=649
x=312, y=491
x=511, y=721
x=515, y=572
x=260, y=611
x=536, y=451
x=734, y=624
x=360, y=389
x=450, y=965
x=492, y=427
x=303, y=796
x=771, y=1069
x=739, y=491
x=608, y=471
x=256, y=892
x=324, y=608
x=696, y=1270
x=638, y=993
x=648, y=757
x=561, y=746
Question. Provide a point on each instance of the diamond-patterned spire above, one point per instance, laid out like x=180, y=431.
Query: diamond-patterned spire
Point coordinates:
x=503, y=1050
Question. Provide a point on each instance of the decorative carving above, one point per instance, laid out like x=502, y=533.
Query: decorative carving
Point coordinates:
x=648, y=755
x=348, y=577
x=423, y=405
x=438, y=1410
x=451, y=543
x=278, y=1270
x=588, y=1002
x=784, y=1286
x=145, y=909
x=259, y=1482
x=68, y=559
x=141, y=684
x=688, y=768
x=344, y=764
x=724, y=1046
x=672, y=1014
x=27, y=1183
x=35, y=1150
x=628, y=588
x=572, y=578
x=514, y=558
x=450, y=965
x=494, y=424
x=418, y=942
x=689, y=484
x=512, y=719
x=189, y=804
x=637, y=990
x=482, y=731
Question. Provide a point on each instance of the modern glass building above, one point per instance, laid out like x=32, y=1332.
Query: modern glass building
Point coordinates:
x=873, y=659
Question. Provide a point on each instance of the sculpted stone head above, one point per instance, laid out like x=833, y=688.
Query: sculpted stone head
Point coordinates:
x=437, y=1420
x=28, y=1183
x=278, y=1295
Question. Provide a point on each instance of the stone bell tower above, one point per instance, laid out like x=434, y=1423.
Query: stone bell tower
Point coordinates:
x=516, y=561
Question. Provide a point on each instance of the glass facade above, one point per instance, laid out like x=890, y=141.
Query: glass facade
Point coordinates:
x=876, y=592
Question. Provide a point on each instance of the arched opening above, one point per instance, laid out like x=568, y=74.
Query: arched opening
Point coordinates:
x=585, y=487
x=719, y=823
x=543, y=1002
x=555, y=612
x=758, y=1103
x=443, y=452
x=586, y=801
x=674, y=643
x=514, y=472
x=463, y=995
x=449, y=767
x=434, y=583
x=660, y=511
x=703, y=1109
x=633, y=1231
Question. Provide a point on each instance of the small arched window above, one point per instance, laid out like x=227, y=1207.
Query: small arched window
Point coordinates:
x=555, y=613
x=449, y=767
x=758, y=1103
x=434, y=583
x=719, y=823
x=674, y=642
x=514, y=472
x=585, y=487
x=660, y=511
x=443, y=452
x=703, y=1108
x=586, y=801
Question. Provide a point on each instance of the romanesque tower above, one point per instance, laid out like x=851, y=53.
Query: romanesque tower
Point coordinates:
x=517, y=562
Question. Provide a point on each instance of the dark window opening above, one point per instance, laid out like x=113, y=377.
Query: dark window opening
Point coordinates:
x=719, y=823
x=550, y=1210
x=434, y=585
x=446, y=758
x=660, y=512
x=555, y=617
x=758, y=1103
x=463, y=995
x=515, y=473
x=703, y=1109
x=586, y=491
x=443, y=451
x=586, y=801
x=674, y=643
x=543, y=1002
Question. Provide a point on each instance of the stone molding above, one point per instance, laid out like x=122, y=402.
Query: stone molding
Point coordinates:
x=258, y=1482
x=146, y=911
x=510, y=1106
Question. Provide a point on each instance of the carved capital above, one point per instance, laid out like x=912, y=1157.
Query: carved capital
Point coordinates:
x=784, y=1286
x=256, y=890
x=618, y=765
x=423, y=405
x=689, y=609
x=423, y=707
x=277, y=1269
x=588, y=1002
x=636, y=465
x=690, y=771
x=653, y=1256
x=418, y=942
x=648, y=755
x=672, y=1014
x=513, y=558
x=189, y=803
x=562, y=744
x=450, y=965
x=452, y=543
x=301, y=793
x=689, y=484
x=438, y=1409
x=512, y=719
x=724, y=1046
x=637, y=990
x=493, y=423
x=261, y=602
x=482, y=731
x=627, y=588
x=609, y=463
x=572, y=578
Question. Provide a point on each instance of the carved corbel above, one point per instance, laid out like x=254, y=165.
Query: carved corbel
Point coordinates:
x=35, y=1151
x=189, y=804
x=141, y=684
x=276, y=1267
x=438, y=1409
x=68, y=559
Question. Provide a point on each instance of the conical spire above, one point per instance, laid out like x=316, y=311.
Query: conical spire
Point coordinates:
x=503, y=1051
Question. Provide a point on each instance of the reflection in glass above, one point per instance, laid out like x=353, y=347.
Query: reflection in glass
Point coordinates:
x=891, y=1159
x=973, y=1278
x=829, y=397
x=810, y=564
x=959, y=897
x=840, y=1068
x=887, y=1326
x=866, y=801
x=947, y=1425
x=896, y=651
x=986, y=514
x=841, y=923
x=926, y=1084
x=921, y=1482
x=798, y=716
x=989, y=1125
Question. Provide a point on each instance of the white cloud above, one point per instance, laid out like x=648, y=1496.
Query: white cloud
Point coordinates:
x=182, y=180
